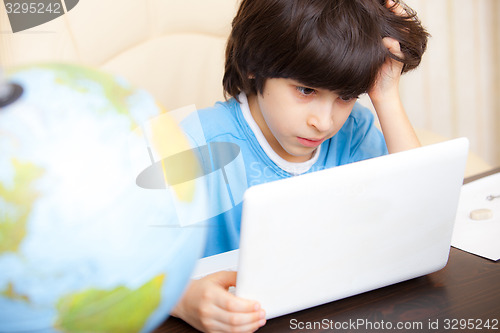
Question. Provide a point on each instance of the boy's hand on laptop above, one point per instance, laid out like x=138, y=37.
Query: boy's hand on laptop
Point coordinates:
x=209, y=307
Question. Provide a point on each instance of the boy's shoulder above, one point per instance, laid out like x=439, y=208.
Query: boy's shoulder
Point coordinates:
x=361, y=119
x=361, y=114
x=221, y=119
x=359, y=138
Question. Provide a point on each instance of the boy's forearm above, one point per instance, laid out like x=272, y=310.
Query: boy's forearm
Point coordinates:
x=398, y=132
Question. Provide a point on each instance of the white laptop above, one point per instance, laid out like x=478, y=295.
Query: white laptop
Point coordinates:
x=331, y=234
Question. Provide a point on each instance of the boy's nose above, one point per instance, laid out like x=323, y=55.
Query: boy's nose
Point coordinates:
x=321, y=118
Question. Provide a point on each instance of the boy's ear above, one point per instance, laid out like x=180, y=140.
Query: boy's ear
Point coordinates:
x=251, y=76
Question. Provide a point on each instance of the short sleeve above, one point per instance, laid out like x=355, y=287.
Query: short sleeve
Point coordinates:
x=366, y=139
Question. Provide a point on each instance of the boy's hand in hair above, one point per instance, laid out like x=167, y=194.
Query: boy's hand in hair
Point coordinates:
x=398, y=132
x=209, y=307
x=387, y=85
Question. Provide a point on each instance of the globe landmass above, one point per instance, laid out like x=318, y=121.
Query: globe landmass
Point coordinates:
x=111, y=313
x=12, y=295
x=78, y=77
x=15, y=204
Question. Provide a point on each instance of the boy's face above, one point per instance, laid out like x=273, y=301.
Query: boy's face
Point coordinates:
x=296, y=119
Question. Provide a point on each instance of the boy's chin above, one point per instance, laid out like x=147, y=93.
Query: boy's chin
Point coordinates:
x=304, y=155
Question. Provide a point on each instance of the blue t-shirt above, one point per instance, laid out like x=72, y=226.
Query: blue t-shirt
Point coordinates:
x=224, y=128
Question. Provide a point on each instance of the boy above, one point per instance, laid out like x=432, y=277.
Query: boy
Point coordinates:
x=294, y=69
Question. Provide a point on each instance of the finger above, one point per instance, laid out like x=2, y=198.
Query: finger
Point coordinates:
x=242, y=319
x=222, y=327
x=393, y=46
x=228, y=321
x=396, y=8
x=236, y=322
x=225, y=300
x=225, y=279
x=228, y=302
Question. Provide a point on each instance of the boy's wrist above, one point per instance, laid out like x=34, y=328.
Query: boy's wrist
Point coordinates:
x=388, y=103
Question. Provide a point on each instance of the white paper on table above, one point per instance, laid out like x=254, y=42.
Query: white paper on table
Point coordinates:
x=479, y=237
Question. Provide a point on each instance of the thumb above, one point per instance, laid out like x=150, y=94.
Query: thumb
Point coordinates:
x=225, y=279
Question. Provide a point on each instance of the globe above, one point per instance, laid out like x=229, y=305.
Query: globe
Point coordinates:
x=83, y=247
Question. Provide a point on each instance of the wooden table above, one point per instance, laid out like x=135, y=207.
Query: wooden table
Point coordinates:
x=462, y=297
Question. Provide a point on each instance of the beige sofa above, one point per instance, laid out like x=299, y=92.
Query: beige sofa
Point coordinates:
x=173, y=49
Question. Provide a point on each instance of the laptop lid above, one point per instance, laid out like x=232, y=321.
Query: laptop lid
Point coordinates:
x=330, y=234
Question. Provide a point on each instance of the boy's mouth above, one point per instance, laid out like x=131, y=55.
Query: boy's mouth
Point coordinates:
x=310, y=142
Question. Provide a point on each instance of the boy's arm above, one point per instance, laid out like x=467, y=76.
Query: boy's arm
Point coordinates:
x=209, y=307
x=397, y=129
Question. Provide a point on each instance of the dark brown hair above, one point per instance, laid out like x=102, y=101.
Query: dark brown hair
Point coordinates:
x=331, y=44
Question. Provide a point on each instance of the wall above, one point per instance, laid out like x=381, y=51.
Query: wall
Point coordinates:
x=456, y=91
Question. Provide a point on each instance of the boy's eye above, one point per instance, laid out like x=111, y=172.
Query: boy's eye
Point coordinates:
x=305, y=91
x=347, y=99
